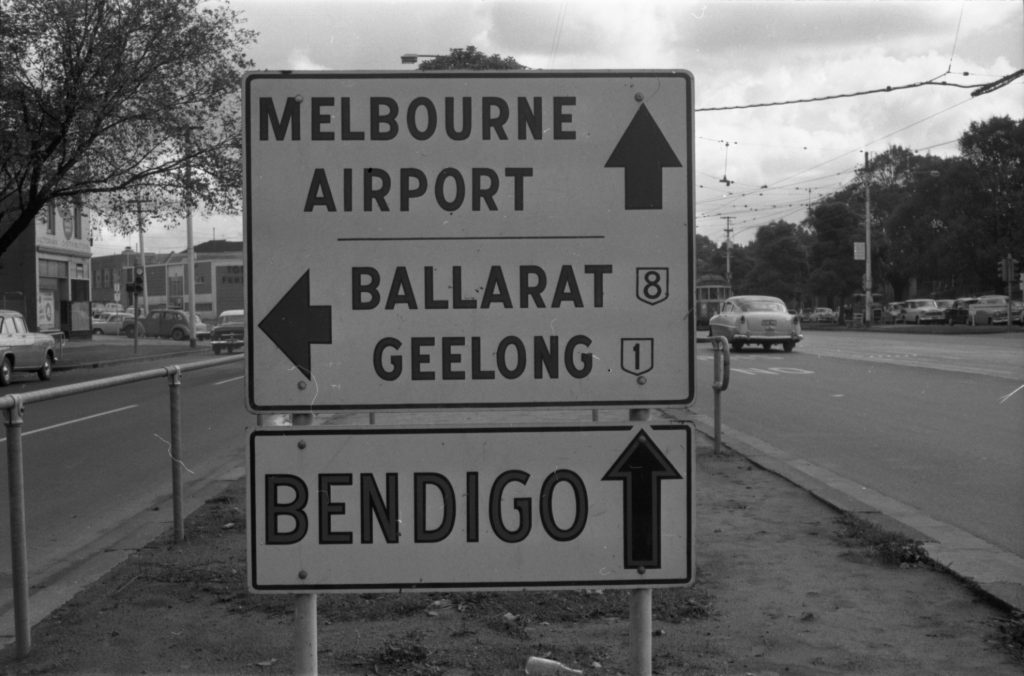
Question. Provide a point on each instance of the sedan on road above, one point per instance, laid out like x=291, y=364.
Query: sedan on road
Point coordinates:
x=763, y=320
x=111, y=323
x=959, y=311
x=23, y=350
x=172, y=324
x=229, y=331
x=922, y=311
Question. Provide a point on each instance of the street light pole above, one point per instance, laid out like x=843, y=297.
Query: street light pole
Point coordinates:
x=868, y=298
x=191, y=272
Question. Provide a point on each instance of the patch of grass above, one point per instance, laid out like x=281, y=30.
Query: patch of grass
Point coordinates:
x=889, y=548
x=1011, y=632
x=403, y=651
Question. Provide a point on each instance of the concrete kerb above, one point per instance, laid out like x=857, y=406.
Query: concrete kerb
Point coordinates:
x=996, y=573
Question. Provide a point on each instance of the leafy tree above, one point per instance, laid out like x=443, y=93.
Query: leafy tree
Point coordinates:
x=779, y=262
x=706, y=255
x=470, y=59
x=103, y=99
x=834, y=273
x=995, y=150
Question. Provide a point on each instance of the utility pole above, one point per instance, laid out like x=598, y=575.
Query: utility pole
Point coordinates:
x=138, y=202
x=728, y=250
x=868, y=298
x=191, y=272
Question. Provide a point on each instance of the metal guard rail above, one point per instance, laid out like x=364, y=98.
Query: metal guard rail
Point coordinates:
x=13, y=405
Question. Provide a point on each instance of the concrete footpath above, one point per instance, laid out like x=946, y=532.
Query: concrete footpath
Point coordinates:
x=995, y=572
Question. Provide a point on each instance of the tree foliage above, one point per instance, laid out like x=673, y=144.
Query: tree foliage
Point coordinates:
x=941, y=223
x=470, y=59
x=102, y=101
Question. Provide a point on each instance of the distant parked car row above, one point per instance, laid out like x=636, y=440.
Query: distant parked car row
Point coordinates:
x=824, y=315
x=971, y=310
x=157, y=324
x=984, y=310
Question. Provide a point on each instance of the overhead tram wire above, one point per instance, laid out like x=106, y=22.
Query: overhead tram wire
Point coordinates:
x=978, y=90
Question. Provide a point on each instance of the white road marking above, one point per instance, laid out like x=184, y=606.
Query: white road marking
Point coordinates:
x=229, y=380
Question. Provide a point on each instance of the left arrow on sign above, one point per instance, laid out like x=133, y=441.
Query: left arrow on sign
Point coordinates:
x=293, y=325
x=641, y=468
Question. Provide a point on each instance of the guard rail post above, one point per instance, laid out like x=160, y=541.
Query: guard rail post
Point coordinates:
x=720, y=346
x=174, y=383
x=19, y=542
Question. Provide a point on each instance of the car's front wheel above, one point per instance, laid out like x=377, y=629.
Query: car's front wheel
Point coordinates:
x=46, y=370
x=788, y=345
x=216, y=349
x=6, y=369
x=178, y=334
x=737, y=345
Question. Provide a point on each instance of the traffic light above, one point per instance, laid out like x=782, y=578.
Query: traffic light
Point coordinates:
x=1002, y=269
x=138, y=284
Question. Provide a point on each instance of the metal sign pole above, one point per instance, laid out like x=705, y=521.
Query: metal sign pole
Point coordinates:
x=305, y=607
x=640, y=602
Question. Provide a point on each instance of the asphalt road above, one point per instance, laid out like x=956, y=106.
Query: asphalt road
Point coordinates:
x=94, y=461
x=934, y=421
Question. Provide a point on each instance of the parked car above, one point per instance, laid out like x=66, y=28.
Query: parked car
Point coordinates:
x=988, y=310
x=999, y=317
x=229, y=331
x=110, y=323
x=24, y=350
x=893, y=312
x=756, y=319
x=959, y=311
x=166, y=324
x=922, y=311
x=822, y=314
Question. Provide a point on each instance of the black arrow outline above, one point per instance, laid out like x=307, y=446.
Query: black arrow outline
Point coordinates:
x=643, y=151
x=641, y=505
x=293, y=325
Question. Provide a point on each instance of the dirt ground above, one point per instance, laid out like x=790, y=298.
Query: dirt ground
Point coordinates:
x=784, y=585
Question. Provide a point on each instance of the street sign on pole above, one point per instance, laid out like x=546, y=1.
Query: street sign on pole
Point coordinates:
x=454, y=239
x=470, y=508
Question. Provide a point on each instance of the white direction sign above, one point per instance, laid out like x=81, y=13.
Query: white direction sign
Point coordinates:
x=455, y=239
x=373, y=508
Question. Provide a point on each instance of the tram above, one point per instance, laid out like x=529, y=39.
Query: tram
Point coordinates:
x=711, y=291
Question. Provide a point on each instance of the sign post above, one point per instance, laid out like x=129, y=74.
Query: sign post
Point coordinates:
x=453, y=239
x=470, y=240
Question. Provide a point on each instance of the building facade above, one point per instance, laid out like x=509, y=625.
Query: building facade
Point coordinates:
x=45, y=274
x=219, y=279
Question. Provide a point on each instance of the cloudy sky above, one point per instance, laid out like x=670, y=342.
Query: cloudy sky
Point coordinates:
x=742, y=55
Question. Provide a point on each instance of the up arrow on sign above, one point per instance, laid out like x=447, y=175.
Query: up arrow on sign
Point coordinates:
x=643, y=151
x=641, y=469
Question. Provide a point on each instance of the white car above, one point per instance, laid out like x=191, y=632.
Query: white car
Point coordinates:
x=763, y=320
x=988, y=310
x=922, y=311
